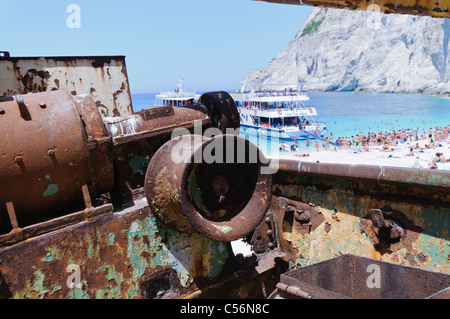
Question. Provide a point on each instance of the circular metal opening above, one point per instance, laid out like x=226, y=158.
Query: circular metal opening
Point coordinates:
x=222, y=184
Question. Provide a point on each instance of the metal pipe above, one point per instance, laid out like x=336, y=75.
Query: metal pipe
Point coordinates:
x=292, y=290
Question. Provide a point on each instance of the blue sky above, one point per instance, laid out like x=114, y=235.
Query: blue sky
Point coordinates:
x=212, y=44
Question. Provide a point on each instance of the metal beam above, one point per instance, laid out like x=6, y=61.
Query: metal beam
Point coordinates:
x=437, y=9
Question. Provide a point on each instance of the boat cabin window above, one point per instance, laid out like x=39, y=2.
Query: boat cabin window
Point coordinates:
x=291, y=121
x=277, y=122
x=177, y=102
x=264, y=120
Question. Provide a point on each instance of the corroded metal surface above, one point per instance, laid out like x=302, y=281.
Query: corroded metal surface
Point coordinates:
x=153, y=121
x=415, y=200
x=355, y=277
x=169, y=240
x=223, y=199
x=138, y=137
x=48, y=154
x=124, y=254
x=129, y=253
x=437, y=9
x=104, y=78
x=56, y=144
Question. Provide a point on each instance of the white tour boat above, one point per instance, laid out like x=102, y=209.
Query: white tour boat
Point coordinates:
x=177, y=97
x=277, y=111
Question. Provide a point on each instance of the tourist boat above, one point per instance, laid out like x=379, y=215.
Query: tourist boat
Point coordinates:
x=177, y=97
x=277, y=111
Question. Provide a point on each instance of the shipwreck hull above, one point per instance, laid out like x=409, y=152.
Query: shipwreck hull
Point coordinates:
x=133, y=222
x=313, y=217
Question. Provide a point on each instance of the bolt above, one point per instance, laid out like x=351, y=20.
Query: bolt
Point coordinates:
x=303, y=216
x=377, y=218
x=269, y=232
x=220, y=185
x=396, y=232
x=18, y=159
x=51, y=153
x=270, y=245
x=42, y=105
x=2, y=111
x=267, y=219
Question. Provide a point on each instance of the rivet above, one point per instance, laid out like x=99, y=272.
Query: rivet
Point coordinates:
x=51, y=153
x=18, y=159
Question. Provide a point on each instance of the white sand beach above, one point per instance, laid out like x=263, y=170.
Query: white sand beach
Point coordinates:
x=395, y=156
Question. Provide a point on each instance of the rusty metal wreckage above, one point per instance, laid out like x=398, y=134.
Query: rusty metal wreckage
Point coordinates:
x=90, y=185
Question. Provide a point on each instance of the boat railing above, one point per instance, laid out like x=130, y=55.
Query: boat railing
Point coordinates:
x=272, y=93
x=290, y=107
x=168, y=95
x=271, y=126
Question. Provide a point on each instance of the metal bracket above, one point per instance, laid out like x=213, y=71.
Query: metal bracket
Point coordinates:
x=389, y=229
x=23, y=108
x=4, y=54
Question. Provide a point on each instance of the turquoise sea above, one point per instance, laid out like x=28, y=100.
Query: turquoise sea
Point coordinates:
x=347, y=114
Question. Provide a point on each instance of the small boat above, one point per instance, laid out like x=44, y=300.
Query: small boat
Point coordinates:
x=177, y=97
x=277, y=111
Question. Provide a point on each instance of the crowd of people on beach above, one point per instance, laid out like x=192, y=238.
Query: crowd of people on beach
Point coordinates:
x=386, y=141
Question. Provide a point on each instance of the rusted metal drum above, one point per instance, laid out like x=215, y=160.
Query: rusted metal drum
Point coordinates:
x=216, y=187
x=51, y=145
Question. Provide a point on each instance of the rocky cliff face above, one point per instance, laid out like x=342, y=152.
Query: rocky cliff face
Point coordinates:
x=364, y=52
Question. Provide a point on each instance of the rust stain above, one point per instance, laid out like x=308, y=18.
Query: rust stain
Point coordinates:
x=438, y=9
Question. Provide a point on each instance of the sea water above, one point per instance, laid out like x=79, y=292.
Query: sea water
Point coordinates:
x=347, y=114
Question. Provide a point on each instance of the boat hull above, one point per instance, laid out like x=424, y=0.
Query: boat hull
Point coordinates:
x=275, y=133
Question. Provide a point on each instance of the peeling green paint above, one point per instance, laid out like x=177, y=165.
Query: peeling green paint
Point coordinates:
x=113, y=290
x=430, y=251
x=35, y=289
x=38, y=284
x=78, y=293
x=179, y=250
x=90, y=247
x=143, y=246
x=51, y=190
x=215, y=265
x=112, y=238
x=224, y=229
x=138, y=163
x=52, y=254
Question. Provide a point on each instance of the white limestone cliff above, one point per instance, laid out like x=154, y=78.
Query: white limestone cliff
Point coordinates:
x=361, y=51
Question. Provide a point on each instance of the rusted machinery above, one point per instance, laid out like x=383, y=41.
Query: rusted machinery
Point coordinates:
x=351, y=281
x=64, y=165
x=97, y=204
x=57, y=149
x=223, y=198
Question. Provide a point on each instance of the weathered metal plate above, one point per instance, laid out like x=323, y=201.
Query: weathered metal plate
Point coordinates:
x=345, y=194
x=121, y=255
x=104, y=78
x=355, y=277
